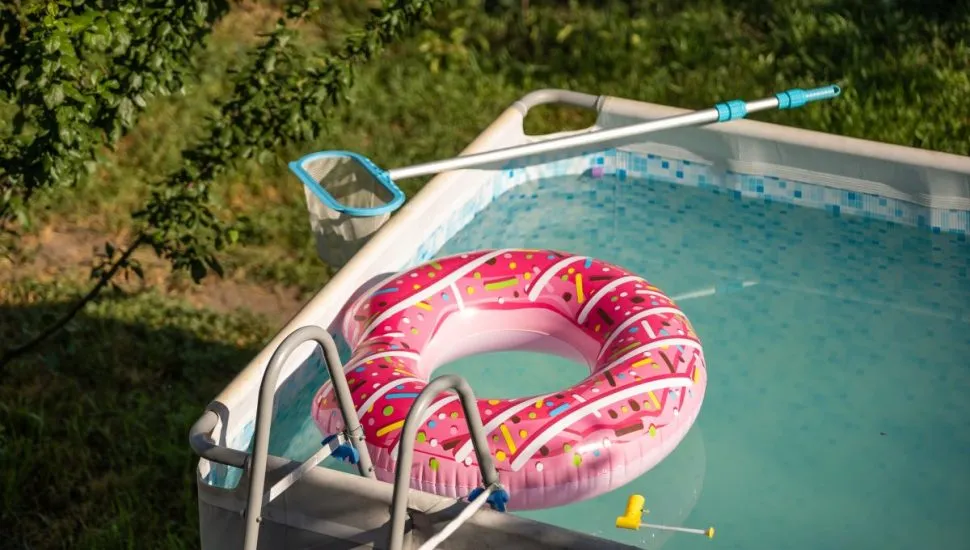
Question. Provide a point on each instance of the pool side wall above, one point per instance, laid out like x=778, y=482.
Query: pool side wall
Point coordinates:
x=844, y=175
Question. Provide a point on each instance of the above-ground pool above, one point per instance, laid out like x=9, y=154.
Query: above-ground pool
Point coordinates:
x=835, y=323
x=837, y=346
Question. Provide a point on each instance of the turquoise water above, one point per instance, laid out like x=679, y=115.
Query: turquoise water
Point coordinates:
x=837, y=413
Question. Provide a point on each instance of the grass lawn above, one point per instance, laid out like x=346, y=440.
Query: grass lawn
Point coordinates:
x=93, y=427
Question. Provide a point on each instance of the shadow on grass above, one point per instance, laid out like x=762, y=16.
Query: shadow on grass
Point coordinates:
x=94, y=426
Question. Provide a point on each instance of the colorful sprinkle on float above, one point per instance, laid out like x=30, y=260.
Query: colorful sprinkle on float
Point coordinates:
x=646, y=386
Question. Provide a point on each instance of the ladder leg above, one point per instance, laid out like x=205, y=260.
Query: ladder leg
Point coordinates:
x=264, y=417
x=493, y=492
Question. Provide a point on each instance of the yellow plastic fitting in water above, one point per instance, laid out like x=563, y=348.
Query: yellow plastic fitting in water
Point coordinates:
x=634, y=514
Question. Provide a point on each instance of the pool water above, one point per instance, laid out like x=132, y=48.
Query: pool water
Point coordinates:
x=838, y=353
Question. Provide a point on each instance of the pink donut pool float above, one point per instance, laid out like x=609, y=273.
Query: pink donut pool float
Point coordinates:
x=645, y=387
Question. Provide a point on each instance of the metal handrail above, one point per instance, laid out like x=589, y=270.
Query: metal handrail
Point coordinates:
x=200, y=434
x=201, y=442
x=264, y=417
x=256, y=463
x=405, y=459
x=200, y=439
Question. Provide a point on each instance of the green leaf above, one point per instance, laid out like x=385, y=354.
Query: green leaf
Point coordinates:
x=126, y=112
x=265, y=157
x=54, y=96
x=564, y=33
x=54, y=42
x=23, y=77
x=23, y=218
x=197, y=270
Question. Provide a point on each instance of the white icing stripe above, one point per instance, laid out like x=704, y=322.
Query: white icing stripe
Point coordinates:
x=362, y=360
x=431, y=290
x=579, y=398
x=588, y=308
x=497, y=421
x=646, y=326
x=570, y=418
x=652, y=293
x=393, y=353
x=390, y=335
x=548, y=274
x=428, y=413
x=629, y=322
x=355, y=309
x=379, y=392
x=457, y=294
x=666, y=342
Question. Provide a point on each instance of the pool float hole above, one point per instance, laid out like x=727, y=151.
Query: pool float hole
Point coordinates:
x=546, y=373
x=529, y=364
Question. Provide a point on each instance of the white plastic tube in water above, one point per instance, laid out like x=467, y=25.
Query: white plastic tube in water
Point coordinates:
x=712, y=290
x=732, y=287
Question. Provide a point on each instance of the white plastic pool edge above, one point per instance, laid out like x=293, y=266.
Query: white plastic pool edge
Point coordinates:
x=848, y=176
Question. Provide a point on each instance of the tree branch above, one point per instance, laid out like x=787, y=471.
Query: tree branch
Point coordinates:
x=13, y=353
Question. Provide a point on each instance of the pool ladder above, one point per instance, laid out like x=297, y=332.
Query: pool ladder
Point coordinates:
x=349, y=444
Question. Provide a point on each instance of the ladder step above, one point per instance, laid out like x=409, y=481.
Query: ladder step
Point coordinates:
x=294, y=476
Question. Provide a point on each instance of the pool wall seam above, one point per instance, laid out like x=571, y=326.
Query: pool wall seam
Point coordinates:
x=761, y=184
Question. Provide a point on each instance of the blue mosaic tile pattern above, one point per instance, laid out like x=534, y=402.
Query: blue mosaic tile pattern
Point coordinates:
x=625, y=164
x=514, y=174
x=837, y=351
x=837, y=201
